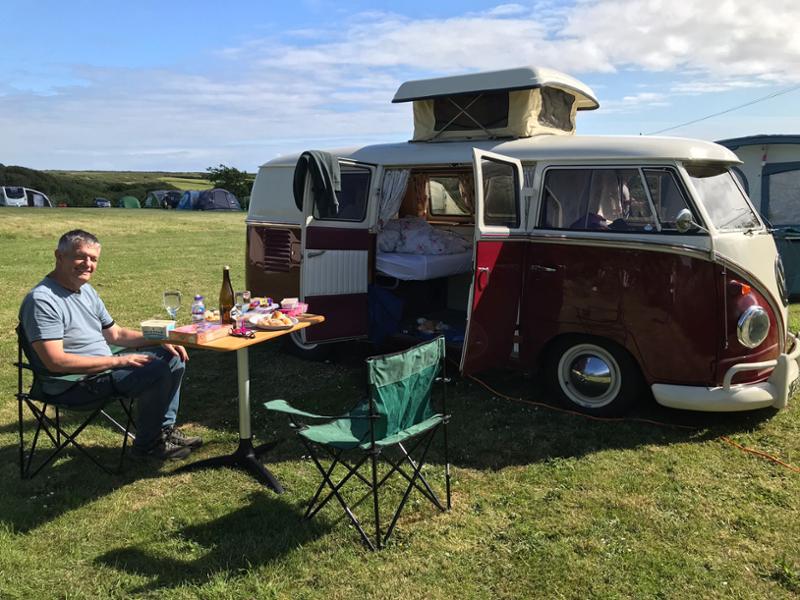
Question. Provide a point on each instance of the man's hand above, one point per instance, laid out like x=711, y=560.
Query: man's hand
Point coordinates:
x=132, y=360
x=178, y=351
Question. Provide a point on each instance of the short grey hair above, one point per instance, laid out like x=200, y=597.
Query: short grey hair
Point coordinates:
x=77, y=237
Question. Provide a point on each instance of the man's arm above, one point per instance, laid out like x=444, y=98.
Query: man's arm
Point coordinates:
x=55, y=360
x=130, y=338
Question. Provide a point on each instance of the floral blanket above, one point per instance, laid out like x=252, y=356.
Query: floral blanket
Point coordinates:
x=414, y=235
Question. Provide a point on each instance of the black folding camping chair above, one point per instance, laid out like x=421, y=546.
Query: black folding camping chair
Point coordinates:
x=40, y=405
x=397, y=413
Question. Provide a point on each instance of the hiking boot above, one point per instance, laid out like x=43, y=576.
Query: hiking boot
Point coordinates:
x=175, y=436
x=162, y=450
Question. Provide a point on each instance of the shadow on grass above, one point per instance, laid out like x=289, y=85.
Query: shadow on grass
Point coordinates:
x=261, y=532
x=486, y=432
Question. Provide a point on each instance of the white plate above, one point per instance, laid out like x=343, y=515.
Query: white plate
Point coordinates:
x=254, y=319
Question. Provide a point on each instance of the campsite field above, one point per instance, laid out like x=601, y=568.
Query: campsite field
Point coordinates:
x=545, y=504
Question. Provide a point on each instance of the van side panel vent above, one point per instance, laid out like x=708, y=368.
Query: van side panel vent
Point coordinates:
x=278, y=249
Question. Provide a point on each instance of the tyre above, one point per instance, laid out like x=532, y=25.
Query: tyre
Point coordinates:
x=593, y=376
x=293, y=344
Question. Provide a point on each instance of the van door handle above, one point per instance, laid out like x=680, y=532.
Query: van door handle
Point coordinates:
x=313, y=253
x=483, y=277
x=543, y=269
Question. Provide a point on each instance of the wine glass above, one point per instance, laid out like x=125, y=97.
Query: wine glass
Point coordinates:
x=172, y=302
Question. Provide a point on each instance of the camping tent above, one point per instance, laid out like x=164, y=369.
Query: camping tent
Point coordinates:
x=188, y=200
x=129, y=202
x=172, y=198
x=217, y=199
x=155, y=199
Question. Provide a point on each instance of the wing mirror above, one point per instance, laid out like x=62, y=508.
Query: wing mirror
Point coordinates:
x=685, y=222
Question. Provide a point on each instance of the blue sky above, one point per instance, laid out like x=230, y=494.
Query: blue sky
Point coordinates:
x=186, y=85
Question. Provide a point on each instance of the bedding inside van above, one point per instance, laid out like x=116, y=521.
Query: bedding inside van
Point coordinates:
x=412, y=250
x=420, y=267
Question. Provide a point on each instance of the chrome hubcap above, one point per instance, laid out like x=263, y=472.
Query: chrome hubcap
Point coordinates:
x=589, y=375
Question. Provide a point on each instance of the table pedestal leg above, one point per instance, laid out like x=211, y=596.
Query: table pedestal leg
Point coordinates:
x=245, y=457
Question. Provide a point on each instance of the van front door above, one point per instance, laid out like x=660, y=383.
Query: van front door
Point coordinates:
x=335, y=244
x=499, y=253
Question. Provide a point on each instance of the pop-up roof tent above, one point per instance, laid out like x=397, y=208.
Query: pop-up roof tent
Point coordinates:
x=129, y=202
x=516, y=103
x=217, y=199
x=188, y=200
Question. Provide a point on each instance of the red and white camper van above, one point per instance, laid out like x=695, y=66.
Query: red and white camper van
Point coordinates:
x=613, y=264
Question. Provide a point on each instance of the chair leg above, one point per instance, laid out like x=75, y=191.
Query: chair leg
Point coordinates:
x=334, y=493
x=62, y=439
x=409, y=488
x=374, y=454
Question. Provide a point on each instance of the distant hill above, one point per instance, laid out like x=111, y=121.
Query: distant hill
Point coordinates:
x=80, y=188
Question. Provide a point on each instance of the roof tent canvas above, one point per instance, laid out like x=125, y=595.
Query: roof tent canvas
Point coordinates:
x=129, y=202
x=189, y=200
x=514, y=103
x=217, y=199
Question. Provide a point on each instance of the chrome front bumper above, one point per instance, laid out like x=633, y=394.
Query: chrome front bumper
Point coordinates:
x=774, y=392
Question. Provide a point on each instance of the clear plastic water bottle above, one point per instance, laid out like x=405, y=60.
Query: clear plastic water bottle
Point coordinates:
x=198, y=309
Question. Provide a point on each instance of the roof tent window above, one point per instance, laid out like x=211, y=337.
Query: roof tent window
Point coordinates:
x=467, y=112
x=556, y=109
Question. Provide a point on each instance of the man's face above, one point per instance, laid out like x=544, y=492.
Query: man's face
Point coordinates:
x=75, y=267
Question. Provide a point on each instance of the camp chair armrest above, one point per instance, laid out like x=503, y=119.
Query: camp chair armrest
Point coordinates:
x=284, y=407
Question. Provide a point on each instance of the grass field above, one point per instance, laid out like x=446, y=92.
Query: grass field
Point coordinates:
x=545, y=504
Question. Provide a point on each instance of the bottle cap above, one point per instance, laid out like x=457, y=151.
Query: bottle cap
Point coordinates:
x=198, y=297
x=227, y=268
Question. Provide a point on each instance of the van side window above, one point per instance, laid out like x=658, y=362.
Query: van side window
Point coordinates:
x=501, y=204
x=667, y=196
x=352, y=199
x=596, y=199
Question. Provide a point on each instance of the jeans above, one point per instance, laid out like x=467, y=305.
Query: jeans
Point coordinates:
x=156, y=387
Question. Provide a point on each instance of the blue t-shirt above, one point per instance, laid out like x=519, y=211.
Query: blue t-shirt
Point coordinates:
x=52, y=312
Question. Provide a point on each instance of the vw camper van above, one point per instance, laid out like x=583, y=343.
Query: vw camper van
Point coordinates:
x=614, y=265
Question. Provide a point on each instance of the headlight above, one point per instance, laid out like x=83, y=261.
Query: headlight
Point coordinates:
x=753, y=327
x=780, y=277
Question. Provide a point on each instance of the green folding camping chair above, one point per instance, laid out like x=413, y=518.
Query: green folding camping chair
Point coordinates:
x=397, y=413
x=46, y=411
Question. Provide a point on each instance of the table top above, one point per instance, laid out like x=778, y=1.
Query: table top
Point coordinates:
x=230, y=343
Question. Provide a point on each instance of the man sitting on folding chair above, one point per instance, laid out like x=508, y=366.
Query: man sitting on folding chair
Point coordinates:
x=69, y=330
x=398, y=412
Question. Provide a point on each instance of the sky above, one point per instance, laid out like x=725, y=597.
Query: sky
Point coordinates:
x=181, y=86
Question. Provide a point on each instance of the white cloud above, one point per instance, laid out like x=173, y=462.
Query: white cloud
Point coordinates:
x=332, y=86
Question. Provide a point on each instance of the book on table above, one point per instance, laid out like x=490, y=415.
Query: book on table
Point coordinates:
x=198, y=333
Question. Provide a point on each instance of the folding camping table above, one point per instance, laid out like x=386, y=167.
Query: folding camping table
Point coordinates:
x=246, y=456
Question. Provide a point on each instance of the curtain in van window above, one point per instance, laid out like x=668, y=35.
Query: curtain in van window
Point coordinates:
x=393, y=188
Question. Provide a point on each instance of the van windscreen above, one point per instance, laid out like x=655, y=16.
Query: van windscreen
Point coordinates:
x=725, y=203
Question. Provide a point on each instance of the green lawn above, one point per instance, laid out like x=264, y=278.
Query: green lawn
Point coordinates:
x=545, y=504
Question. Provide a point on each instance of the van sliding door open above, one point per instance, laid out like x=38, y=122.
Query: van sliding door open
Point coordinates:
x=499, y=253
x=336, y=243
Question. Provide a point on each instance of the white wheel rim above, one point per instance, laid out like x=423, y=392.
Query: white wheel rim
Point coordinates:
x=589, y=376
x=297, y=340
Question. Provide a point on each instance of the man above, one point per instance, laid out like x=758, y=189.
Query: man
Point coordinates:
x=70, y=330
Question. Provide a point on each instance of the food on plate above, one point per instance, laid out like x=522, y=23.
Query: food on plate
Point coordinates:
x=211, y=315
x=277, y=319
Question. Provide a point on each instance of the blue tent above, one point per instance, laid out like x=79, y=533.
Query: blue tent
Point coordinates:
x=189, y=200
